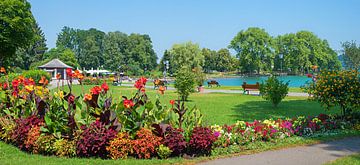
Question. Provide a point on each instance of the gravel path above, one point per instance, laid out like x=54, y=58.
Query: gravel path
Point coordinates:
x=305, y=155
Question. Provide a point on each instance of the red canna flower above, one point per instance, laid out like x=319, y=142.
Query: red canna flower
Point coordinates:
x=71, y=99
x=15, y=83
x=69, y=72
x=105, y=87
x=15, y=93
x=128, y=103
x=140, y=83
x=172, y=102
x=95, y=90
x=5, y=85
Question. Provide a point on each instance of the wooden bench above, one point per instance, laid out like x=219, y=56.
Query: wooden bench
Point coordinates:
x=213, y=82
x=158, y=83
x=250, y=87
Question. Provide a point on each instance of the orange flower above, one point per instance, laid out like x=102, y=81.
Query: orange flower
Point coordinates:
x=162, y=89
x=43, y=81
x=128, y=103
x=80, y=76
x=58, y=76
x=87, y=97
x=2, y=70
x=21, y=79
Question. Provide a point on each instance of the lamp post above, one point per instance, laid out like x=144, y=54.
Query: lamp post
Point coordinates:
x=281, y=56
x=166, y=67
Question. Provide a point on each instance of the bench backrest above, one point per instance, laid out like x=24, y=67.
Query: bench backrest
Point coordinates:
x=213, y=82
x=251, y=86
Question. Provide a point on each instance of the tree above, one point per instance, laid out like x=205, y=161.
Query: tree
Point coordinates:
x=185, y=82
x=66, y=55
x=16, y=27
x=165, y=57
x=224, y=60
x=209, y=59
x=254, y=49
x=33, y=53
x=303, y=50
x=351, y=55
x=187, y=54
x=115, y=49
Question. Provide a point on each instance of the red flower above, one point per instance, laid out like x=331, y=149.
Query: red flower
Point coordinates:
x=69, y=72
x=58, y=76
x=128, y=103
x=105, y=87
x=95, y=90
x=71, y=99
x=142, y=89
x=43, y=80
x=172, y=102
x=5, y=85
x=309, y=75
x=15, y=83
x=140, y=83
x=15, y=93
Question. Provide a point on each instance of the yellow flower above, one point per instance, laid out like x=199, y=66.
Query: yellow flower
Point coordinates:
x=29, y=88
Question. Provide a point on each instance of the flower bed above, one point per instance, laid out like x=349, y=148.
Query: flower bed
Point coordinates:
x=93, y=125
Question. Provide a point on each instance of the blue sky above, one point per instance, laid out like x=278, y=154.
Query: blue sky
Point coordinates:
x=211, y=23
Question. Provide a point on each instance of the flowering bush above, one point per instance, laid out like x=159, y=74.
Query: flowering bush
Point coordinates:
x=336, y=88
x=201, y=141
x=93, y=140
x=145, y=143
x=45, y=145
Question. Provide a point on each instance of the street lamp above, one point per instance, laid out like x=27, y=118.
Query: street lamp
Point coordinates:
x=166, y=67
x=281, y=56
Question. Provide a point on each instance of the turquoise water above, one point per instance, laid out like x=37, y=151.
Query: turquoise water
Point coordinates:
x=295, y=81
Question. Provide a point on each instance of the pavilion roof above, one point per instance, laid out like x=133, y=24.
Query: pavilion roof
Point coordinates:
x=55, y=63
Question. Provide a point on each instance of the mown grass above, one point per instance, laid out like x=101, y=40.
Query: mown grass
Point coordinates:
x=347, y=160
x=222, y=108
x=10, y=155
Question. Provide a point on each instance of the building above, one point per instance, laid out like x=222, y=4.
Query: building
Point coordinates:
x=54, y=67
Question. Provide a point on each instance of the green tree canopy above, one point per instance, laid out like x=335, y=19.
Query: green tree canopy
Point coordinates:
x=16, y=27
x=186, y=54
x=254, y=49
x=351, y=55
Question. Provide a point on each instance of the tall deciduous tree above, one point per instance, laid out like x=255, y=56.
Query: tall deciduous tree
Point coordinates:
x=351, y=55
x=187, y=54
x=16, y=27
x=33, y=53
x=254, y=49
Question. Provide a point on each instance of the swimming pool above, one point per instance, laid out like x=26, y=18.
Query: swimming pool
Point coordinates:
x=295, y=81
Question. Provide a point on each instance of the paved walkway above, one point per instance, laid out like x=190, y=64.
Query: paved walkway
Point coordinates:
x=53, y=84
x=305, y=155
x=227, y=91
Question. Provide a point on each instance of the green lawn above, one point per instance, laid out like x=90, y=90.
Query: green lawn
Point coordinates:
x=352, y=159
x=221, y=108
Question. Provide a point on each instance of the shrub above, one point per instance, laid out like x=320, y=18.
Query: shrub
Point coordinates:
x=185, y=82
x=336, y=88
x=120, y=147
x=163, y=151
x=7, y=125
x=32, y=137
x=274, y=90
x=201, y=141
x=45, y=145
x=23, y=126
x=175, y=140
x=65, y=147
x=145, y=143
x=36, y=75
x=93, y=140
